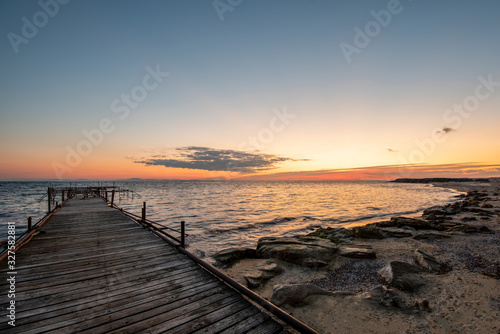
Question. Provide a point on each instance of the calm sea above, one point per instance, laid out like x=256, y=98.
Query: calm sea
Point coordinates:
x=223, y=214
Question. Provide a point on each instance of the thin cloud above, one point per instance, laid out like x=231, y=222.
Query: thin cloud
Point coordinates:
x=210, y=159
x=388, y=172
x=446, y=130
x=391, y=150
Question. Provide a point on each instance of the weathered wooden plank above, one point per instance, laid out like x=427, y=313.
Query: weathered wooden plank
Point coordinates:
x=215, y=316
x=100, y=279
x=74, y=294
x=68, y=301
x=166, y=320
x=54, y=271
x=247, y=324
x=94, y=270
x=143, y=316
x=268, y=327
x=69, y=261
x=228, y=321
x=98, y=314
x=55, y=274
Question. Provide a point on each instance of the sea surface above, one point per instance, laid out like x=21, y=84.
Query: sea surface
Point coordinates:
x=223, y=214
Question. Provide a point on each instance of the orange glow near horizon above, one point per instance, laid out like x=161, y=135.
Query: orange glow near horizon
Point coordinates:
x=107, y=168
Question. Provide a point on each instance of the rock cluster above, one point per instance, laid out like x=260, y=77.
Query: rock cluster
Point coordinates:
x=229, y=256
x=436, y=223
x=303, y=250
x=258, y=274
x=396, y=281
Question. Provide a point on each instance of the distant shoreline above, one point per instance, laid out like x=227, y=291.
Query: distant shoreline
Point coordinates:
x=440, y=179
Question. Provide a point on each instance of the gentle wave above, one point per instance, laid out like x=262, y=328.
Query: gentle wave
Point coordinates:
x=237, y=213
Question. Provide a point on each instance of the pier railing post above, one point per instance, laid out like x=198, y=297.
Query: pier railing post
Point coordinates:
x=62, y=196
x=183, y=234
x=143, y=211
x=30, y=227
x=49, y=196
x=112, y=197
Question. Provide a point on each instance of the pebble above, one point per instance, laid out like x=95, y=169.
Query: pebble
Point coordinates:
x=354, y=276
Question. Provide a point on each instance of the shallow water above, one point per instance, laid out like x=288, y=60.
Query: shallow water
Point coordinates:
x=223, y=214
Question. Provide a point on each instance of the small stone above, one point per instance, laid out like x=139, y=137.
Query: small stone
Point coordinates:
x=427, y=261
x=402, y=275
x=422, y=304
x=357, y=252
x=259, y=273
x=253, y=282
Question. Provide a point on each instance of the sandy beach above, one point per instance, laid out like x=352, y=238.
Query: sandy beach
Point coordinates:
x=435, y=274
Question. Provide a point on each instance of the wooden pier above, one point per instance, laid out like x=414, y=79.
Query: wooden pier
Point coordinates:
x=93, y=270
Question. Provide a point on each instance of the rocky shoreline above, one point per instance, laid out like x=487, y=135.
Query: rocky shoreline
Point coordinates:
x=439, y=273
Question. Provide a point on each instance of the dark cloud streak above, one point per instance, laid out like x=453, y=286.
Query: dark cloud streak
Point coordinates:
x=446, y=130
x=205, y=158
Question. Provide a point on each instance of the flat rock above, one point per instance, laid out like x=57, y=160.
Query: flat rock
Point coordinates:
x=302, y=250
x=469, y=228
x=259, y=273
x=357, y=252
x=338, y=235
x=402, y=275
x=417, y=224
x=229, y=256
x=396, y=232
x=295, y=294
x=367, y=232
x=427, y=261
x=439, y=210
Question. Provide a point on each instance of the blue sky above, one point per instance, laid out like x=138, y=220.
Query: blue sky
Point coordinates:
x=227, y=76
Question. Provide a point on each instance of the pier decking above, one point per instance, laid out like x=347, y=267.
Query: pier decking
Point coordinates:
x=93, y=270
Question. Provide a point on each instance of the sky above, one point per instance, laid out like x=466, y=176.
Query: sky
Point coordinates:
x=295, y=89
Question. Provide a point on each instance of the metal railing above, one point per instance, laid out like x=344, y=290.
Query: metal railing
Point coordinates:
x=12, y=244
x=153, y=226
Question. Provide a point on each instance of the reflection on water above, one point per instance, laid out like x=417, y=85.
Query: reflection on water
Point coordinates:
x=221, y=214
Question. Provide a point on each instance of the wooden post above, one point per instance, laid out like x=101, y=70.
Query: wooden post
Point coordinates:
x=106, y=195
x=49, y=196
x=112, y=197
x=183, y=234
x=143, y=211
x=30, y=227
x=62, y=196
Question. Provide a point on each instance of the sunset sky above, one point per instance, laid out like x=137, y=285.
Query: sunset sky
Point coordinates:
x=255, y=89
